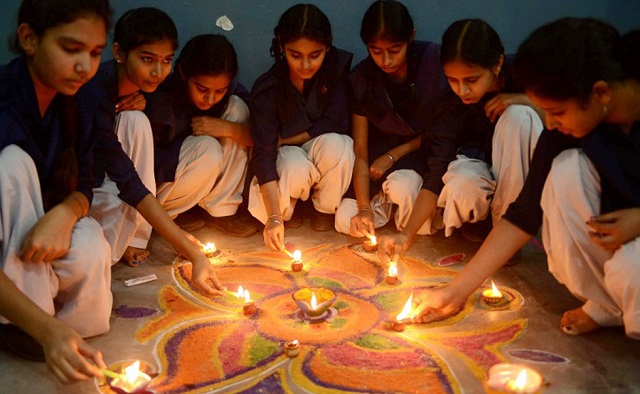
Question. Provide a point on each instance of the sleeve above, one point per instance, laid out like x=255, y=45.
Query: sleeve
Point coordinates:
x=265, y=126
x=335, y=117
x=525, y=212
x=355, y=97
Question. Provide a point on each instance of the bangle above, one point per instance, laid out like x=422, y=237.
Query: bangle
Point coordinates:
x=364, y=209
x=275, y=215
x=275, y=220
x=391, y=157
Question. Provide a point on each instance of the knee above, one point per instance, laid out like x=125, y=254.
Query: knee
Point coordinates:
x=16, y=163
x=133, y=125
x=401, y=184
x=336, y=149
x=208, y=151
x=347, y=209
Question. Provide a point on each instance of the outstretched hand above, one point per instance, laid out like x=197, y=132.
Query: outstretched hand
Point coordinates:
x=390, y=246
x=204, y=277
x=435, y=304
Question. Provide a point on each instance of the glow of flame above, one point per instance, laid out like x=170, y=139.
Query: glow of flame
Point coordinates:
x=297, y=255
x=131, y=372
x=314, y=301
x=393, y=269
x=520, y=382
x=494, y=290
x=209, y=247
x=406, y=310
x=247, y=296
x=373, y=239
x=240, y=292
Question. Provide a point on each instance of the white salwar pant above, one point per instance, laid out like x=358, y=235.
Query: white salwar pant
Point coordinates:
x=323, y=164
x=122, y=224
x=210, y=171
x=75, y=288
x=608, y=282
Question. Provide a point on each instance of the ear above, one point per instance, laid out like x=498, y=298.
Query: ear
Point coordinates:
x=28, y=39
x=118, y=53
x=498, y=67
x=601, y=92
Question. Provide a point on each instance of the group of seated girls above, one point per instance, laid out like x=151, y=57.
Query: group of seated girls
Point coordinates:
x=94, y=156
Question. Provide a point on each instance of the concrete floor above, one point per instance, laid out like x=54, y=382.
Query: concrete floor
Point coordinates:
x=603, y=362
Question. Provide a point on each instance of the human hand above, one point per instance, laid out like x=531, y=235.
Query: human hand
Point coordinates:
x=203, y=275
x=68, y=356
x=392, y=245
x=362, y=225
x=273, y=235
x=436, y=304
x=380, y=166
x=207, y=125
x=498, y=104
x=614, y=229
x=132, y=102
x=50, y=237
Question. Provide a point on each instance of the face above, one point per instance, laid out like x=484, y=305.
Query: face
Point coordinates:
x=304, y=58
x=391, y=57
x=205, y=91
x=570, y=116
x=66, y=56
x=471, y=82
x=148, y=65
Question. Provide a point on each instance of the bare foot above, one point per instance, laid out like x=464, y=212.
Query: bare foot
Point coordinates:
x=577, y=322
x=134, y=257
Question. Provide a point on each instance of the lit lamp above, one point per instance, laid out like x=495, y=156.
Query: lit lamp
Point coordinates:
x=133, y=380
x=493, y=295
x=249, y=307
x=209, y=249
x=296, y=263
x=513, y=378
x=392, y=273
x=292, y=348
x=399, y=322
x=371, y=244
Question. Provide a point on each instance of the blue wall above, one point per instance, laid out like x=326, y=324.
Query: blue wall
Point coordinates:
x=254, y=20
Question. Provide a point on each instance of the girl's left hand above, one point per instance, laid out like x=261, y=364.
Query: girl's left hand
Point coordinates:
x=273, y=235
x=50, y=237
x=132, y=102
x=614, y=229
x=497, y=105
x=203, y=274
x=207, y=125
x=380, y=166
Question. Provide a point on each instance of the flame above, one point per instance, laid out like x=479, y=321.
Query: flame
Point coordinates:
x=494, y=290
x=314, y=301
x=393, y=269
x=240, y=292
x=406, y=310
x=131, y=372
x=373, y=239
x=209, y=247
x=247, y=296
x=520, y=382
x=297, y=255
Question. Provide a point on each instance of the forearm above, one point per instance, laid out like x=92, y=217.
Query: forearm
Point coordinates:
x=239, y=132
x=361, y=183
x=423, y=209
x=270, y=196
x=401, y=150
x=297, y=139
x=77, y=204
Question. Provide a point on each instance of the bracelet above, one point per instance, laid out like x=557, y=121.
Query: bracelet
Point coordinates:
x=275, y=220
x=364, y=209
x=391, y=157
x=275, y=215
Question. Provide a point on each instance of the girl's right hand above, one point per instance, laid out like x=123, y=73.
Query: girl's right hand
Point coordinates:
x=436, y=304
x=362, y=224
x=380, y=166
x=273, y=235
x=50, y=237
x=392, y=245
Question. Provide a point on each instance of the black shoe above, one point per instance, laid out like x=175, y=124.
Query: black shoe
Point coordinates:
x=19, y=343
x=235, y=225
x=322, y=221
x=189, y=221
x=478, y=231
x=296, y=219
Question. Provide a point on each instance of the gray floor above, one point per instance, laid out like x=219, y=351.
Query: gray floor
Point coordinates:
x=602, y=362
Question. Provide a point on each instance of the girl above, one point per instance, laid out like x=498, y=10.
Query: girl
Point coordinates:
x=480, y=146
x=299, y=117
x=395, y=91
x=201, y=134
x=55, y=278
x=585, y=78
x=144, y=43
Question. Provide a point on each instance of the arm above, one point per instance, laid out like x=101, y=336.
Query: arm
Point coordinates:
x=614, y=229
x=273, y=233
x=382, y=164
x=497, y=105
x=233, y=124
x=65, y=351
x=297, y=139
x=362, y=223
x=158, y=218
x=132, y=102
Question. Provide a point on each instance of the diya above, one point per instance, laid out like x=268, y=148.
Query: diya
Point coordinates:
x=399, y=322
x=131, y=381
x=292, y=348
x=209, y=249
x=296, y=263
x=314, y=302
x=513, y=378
x=392, y=273
x=371, y=244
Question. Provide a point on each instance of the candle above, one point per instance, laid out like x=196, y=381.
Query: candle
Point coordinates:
x=514, y=378
x=392, y=273
x=132, y=380
x=492, y=295
x=399, y=322
x=249, y=307
x=292, y=348
x=210, y=250
x=296, y=264
x=371, y=244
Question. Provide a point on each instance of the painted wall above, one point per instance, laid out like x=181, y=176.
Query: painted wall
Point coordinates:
x=254, y=20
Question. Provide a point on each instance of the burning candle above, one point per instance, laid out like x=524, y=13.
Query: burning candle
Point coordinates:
x=392, y=273
x=399, y=322
x=209, y=249
x=514, y=378
x=296, y=263
x=132, y=380
x=314, y=301
x=371, y=244
x=249, y=307
x=292, y=348
x=492, y=295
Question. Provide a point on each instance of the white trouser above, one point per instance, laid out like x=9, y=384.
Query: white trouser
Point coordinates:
x=608, y=282
x=210, y=171
x=401, y=188
x=123, y=225
x=472, y=189
x=77, y=287
x=323, y=164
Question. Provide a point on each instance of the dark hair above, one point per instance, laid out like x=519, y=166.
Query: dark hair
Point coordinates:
x=145, y=25
x=300, y=21
x=563, y=59
x=42, y=15
x=631, y=53
x=388, y=20
x=473, y=42
x=208, y=54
